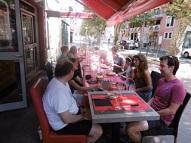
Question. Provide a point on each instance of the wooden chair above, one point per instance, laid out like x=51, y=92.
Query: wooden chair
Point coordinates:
x=173, y=127
x=48, y=135
x=155, y=76
x=48, y=69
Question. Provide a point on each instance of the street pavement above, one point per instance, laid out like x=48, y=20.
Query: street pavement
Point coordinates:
x=184, y=74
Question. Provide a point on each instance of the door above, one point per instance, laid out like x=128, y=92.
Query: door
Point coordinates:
x=30, y=44
x=12, y=70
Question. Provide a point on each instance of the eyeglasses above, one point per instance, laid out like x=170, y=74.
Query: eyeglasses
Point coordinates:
x=172, y=58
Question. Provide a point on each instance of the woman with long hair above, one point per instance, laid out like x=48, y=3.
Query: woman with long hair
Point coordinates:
x=142, y=78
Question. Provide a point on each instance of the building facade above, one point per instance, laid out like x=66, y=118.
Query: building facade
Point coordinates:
x=160, y=31
x=28, y=39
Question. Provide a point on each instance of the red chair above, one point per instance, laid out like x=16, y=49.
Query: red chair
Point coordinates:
x=48, y=135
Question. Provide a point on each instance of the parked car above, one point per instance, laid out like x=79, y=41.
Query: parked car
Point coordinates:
x=186, y=52
x=128, y=44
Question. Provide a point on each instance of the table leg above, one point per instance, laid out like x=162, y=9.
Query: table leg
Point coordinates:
x=115, y=132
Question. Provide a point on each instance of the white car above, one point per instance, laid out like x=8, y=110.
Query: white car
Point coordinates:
x=186, y=52
x=128, y=44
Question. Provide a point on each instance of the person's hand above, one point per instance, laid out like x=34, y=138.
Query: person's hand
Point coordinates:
x=119, y=74
x=95, y=87
x=102, y=61
x=86, y=114
x=83, y=67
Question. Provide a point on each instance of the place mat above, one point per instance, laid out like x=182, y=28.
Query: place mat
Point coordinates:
x=102, y=102
x=132, y=102
x=103, y=97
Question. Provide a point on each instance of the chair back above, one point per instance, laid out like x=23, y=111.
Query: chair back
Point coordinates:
x=48, y=69
x=48, y=135
x=37, y=91
x=174, y=124
x=155, y=76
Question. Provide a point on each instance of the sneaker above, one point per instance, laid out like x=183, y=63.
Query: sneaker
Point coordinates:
x=125, y=139
x=40, y=133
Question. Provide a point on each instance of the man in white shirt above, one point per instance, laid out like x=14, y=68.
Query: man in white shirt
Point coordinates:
x=61, y=109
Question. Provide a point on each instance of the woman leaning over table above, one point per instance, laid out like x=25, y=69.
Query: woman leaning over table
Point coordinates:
x=142, y=78
x=77, y=84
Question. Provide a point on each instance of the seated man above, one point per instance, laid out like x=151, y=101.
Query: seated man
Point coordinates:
x=169, y=95
x=65, y=51
x=61, y=109
x=118, y=61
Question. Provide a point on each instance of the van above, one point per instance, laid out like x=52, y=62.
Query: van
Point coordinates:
x=186, y=48
x=186, y=52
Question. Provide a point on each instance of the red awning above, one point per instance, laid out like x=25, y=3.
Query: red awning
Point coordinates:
x=51, y=13
x=116, y=11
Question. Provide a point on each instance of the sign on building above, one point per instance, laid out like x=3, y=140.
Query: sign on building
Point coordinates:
x=145, y=38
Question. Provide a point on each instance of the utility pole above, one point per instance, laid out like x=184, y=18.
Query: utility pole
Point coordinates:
x=142, y=32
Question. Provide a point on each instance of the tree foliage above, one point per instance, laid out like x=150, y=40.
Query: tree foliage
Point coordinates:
x=178, y=9
x=181, y=10
x=92, y=27
x=138, y=20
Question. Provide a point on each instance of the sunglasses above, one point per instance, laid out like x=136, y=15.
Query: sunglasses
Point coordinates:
x=172, y=59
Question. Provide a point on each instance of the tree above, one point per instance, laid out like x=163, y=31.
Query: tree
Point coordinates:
x=138, y=20
x=92, y=27
x=181, y=10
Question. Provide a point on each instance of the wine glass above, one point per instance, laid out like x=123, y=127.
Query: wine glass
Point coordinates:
x=119, y=87
x=113, y=84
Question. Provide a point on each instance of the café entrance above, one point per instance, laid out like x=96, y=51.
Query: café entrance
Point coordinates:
x=18, y=52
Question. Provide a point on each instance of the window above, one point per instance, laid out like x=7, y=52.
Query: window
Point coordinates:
x=157, y=11
x=169, y=21
x=168, y=35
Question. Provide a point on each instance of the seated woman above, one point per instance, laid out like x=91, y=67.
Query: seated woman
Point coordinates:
x=77, y=84
x=73, y=53
x=127, y=75
x=142, y=78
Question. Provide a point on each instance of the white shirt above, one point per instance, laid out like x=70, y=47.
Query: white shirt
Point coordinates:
x=58, y=99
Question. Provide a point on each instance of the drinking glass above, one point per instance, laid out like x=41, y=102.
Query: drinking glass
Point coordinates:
x=119, y=87
x=113, y=84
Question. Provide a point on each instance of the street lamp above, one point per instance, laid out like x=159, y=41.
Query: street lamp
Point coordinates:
x=142, y=32
x=86, y=31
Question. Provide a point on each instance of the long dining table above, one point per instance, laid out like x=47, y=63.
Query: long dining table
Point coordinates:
x=111, y=105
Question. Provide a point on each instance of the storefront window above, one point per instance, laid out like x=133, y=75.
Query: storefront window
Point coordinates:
x=10, y=83
x=8, y=32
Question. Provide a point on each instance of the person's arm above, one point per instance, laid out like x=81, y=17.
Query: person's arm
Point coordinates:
x=81, y=88
x=121, y=74
x=150, y=101
x=79, y=80
x=132, y=75
x=148, y=81
x=72, y=118
x=171, y=110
